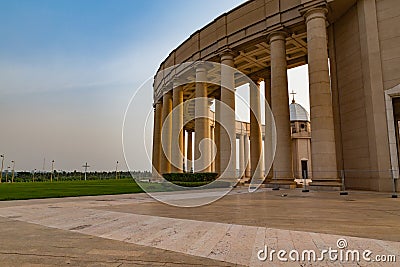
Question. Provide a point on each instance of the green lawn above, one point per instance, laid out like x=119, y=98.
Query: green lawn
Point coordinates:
x=14, y=191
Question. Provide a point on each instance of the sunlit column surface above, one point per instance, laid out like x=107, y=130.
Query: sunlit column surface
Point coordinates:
x=247, y=155
x=323, y=137
x=183, y=150
x=202, y=124
x=166, y=133
x=190, y=151
x=212, y=130
x=217, y=133
x=255, y=131
x=280, y=108
x=228, y=136
x=268, y=152
x=157, y=139
x=242, y=168
x=177, y=128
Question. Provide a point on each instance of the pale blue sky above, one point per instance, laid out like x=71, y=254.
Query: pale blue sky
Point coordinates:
x=69, y=68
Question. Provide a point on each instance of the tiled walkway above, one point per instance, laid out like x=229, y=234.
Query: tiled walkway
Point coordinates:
x=226, y=242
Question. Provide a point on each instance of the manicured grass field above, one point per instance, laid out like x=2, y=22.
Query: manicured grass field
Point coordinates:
x=14, y=191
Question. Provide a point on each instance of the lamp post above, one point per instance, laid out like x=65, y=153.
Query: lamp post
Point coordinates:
x=116, y=171
x=394, y=195
x=2, y=165
x=33, y=176
x=7, y=173
x=12, y=173
x=52, y=171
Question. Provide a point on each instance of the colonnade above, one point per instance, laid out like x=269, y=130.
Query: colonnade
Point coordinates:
x=244, y=156
x=276, y=93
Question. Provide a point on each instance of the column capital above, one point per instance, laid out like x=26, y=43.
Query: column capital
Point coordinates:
x=167, y=91
x=277, y=35
x=159, y=102
x=314, y=12
x=227, y=54
x=201, y=71
x=256, y=79
x=198, y=65
x=178, y=81
x=226, y=51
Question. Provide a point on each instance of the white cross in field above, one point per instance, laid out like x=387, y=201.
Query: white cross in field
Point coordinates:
x=85, y=166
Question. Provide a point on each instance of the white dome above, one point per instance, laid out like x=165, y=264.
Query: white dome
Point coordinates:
x=298, y=112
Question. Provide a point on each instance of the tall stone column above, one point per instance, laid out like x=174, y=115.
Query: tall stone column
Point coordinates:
x=166, y=133
x=268, y=152
x=190, y=151
x=156, y=157
x=217, y=134
x=242, y=168
x=202, y=124
x=255, y=131
x=280, y=108
x=228, y=136
x=212, y=131
x=183, y=150
x=323, y=153
x=247, y=156
x=177, y=129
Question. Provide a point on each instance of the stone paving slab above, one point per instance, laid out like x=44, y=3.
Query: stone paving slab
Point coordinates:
x=26, y=244
x=361, y=214
x=229, y=243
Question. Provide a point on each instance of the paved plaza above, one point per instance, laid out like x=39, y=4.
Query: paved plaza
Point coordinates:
x=134, y=230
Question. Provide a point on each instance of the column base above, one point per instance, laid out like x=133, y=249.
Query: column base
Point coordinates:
x=267, y=180
x=281, y=183
x=325, y=185
x=244, y=180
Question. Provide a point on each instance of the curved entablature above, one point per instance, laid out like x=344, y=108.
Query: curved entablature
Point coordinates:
x=245, y=31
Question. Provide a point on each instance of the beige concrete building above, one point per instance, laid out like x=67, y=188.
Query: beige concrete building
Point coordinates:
x=353, y=110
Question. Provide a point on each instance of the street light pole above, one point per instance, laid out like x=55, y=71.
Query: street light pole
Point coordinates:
x=33, y=176
x=12, y=174
x=116, y=171
x=52, y=170
x=2, y=165
x=7, y=173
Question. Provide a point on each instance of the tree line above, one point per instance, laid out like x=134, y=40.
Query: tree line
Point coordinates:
x=25, y=176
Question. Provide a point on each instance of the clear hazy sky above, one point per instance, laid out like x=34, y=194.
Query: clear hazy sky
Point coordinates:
x=69, y=68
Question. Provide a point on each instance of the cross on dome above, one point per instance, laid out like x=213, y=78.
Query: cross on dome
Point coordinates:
x=293, y=93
